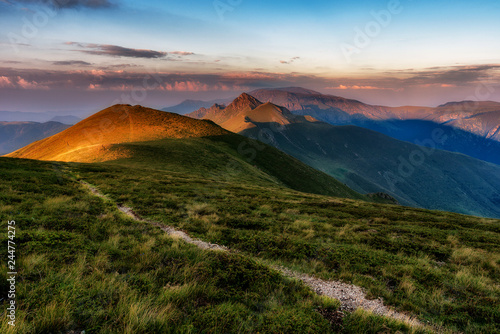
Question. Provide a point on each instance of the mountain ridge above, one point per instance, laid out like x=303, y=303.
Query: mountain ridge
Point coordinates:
x=366, y=160
x=148, y=138
x=90, y=139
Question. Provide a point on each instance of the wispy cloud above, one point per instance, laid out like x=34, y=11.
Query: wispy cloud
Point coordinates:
x=435, y=77
x=94, y=4
x=355, y=87
x=71, y=63
x=291, y=60
x=182, y=53
x=459, y=75
x=117, y=51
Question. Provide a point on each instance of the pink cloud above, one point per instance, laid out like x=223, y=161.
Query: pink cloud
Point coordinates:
x=356, y=87
x=252, y=75
x=438, y=85
x=197, y=86
x=30, y=84
x=186, y=86
x=94, y=87
x=6, y=83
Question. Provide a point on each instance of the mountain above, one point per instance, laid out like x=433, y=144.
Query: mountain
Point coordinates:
x=331, y=108
x=138, y=136
x=219, y=113
x=370, y=162
x=188, y=106
x=14, y=135
x=473, y=128
x=189, y=234
x=454, y=139
x=90, y=140
x=481, y=118
x=40, y=117
x=19, y=116
x=113, y=248
x=70, y=120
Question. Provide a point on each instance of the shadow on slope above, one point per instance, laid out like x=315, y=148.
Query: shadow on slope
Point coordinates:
x=368, y=162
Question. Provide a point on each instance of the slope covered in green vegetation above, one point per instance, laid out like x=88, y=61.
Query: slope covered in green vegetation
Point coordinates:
x=368, y=162
x=444, y=267
x=233, y=158
x=84, y=266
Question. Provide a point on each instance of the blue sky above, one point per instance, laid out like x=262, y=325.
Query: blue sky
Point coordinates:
x=425, y=52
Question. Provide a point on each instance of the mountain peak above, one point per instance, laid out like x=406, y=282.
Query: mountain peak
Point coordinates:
x=245, y=101
x=92, y=139
x=292, y=90
x=456, y=103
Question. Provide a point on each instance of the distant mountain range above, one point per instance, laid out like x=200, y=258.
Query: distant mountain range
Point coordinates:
x=481, y=118
x=471, y=128
x=14, y=135
x=305, y=127
x=188, y=106
x=41, y=117
x=368, y=161
x=134, y=135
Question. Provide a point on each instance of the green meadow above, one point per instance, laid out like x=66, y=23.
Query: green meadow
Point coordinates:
x=83, y=265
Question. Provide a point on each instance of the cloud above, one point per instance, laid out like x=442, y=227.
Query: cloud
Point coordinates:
x=460, y=75
x=186, y=86
x=6, y=82
x=289, y=61
x=20, y=82
x=197, y=86
x=117, y=51
x=61, y=4
x=182, y=53
x=253, y=75
x=121, y=78
x=356, y=87
x=71, y=63
x=24, y=84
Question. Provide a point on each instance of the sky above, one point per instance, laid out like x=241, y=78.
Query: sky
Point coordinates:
x=79, y=56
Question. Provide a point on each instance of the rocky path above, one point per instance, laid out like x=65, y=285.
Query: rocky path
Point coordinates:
x=350, y=296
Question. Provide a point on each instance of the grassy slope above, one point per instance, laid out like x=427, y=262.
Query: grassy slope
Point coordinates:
x=84, y=266
x=237, y=158
x=444, y=267
x=88, y=141
x=360, y=158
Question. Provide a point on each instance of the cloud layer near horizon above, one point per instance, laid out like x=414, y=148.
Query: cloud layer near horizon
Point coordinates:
x=122, y=78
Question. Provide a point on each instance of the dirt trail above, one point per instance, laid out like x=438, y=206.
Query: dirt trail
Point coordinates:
x=350, y=296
